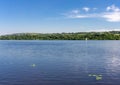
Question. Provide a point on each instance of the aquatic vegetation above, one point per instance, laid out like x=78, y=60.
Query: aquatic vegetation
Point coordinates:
x=100, y=75
x=33, y=65
x=94, y=75
x=97, y=77
x=90, y=75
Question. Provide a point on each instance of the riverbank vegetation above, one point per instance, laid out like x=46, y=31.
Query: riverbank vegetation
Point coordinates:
x=111, y=35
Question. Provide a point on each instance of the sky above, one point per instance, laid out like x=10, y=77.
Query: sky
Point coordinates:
x=56, y=16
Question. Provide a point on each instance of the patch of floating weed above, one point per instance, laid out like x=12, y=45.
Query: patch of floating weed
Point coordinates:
x=97, y=77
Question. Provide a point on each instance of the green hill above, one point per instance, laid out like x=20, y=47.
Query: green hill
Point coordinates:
x=111, y=35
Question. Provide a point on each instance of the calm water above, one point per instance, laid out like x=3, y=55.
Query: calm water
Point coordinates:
x=59, y=62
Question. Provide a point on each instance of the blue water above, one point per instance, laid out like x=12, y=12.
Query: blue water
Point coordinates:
x=59, y=62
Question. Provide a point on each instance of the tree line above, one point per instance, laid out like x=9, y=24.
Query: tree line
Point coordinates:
x=111, y=35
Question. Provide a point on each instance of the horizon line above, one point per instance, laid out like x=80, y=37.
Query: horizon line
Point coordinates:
x=57, y=32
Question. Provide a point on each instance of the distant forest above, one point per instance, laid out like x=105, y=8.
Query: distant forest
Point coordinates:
x=111, y=35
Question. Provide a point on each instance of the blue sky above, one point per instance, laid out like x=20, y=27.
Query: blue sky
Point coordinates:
x=50, y=16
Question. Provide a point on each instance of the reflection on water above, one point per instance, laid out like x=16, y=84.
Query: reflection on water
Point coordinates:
x=59, y=63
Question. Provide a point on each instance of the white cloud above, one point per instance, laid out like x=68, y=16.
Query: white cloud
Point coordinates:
x=104, y=30
x=86, y=9
x=74, y=14
x=75, y=11
x=84, y=16
x=113, y=8
x=112, y=14
x=78, y=16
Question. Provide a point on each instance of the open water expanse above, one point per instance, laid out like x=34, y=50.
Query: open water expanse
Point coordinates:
x=59, y=62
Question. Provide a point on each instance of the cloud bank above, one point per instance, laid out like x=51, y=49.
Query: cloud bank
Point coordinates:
x=111, y=13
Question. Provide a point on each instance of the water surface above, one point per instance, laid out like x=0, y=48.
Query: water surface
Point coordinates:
x=59, y=62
